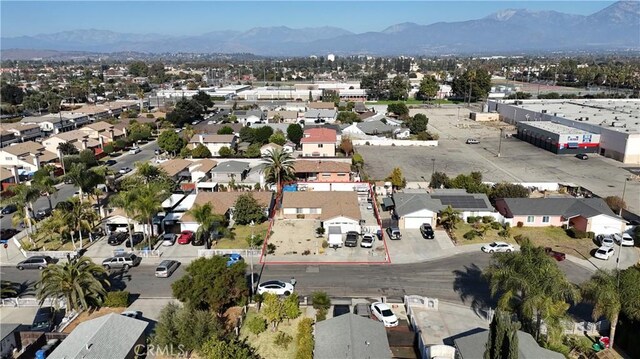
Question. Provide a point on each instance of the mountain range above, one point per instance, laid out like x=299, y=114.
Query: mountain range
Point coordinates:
x=614, y=28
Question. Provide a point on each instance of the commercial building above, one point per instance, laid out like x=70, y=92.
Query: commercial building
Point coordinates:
x=558, y=138
x=617, y=122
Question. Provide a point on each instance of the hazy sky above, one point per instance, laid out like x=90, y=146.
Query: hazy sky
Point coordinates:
x=191, y=18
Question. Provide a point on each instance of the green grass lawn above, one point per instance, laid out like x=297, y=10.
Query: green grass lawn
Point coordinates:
x=412, y=102
x=554, y=237
x=239, y=234
x=263, y=343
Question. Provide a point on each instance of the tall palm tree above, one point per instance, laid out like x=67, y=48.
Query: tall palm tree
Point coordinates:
x=80, y=282
x=81, y=216
x=611, y=292
x=530, y=284
x=279, y=167
x=58, y=224
x=126, y=200
x=449, y=218
x=204, y=216
x=45, y=183
x=147, y=204
x=23, y=197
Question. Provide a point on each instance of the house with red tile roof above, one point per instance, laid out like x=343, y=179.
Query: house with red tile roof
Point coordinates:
x=319, y=142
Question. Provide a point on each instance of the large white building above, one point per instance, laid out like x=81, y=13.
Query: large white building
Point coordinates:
x=616, y=121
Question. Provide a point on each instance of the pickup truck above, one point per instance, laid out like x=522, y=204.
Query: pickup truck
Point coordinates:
x=352, y=239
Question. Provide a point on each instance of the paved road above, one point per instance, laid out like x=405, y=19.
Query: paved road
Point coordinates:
x=66, y=191
x=455, y=279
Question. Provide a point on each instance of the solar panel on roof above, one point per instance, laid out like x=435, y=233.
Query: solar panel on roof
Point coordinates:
x=461, y=201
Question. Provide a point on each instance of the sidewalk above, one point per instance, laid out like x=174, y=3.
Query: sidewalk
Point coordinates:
x=12, y=254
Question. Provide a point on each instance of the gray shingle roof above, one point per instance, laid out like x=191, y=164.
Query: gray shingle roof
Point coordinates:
x=350, y=336
x=7, y=328
x=567, y=207
x=375, y=127
x=313, y=113
x=473, y=346
x=109, y=336
x=407, y=203
x=231, y=167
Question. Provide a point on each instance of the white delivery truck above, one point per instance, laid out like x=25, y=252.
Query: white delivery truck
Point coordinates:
x=335, y=237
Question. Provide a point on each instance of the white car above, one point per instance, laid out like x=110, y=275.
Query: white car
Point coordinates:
x=134, y=150
x=604, y=253
x=275, y=287
x=606, y=240
x=384, y=314
x=497, y=247
x=135, y=314
x=625, y=240
x=367, y=240
x=124, y=170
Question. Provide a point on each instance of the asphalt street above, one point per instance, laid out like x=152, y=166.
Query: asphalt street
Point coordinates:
x=65, y=191
x=454, y=279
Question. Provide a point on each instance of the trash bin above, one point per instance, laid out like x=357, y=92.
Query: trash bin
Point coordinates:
x=604, y=342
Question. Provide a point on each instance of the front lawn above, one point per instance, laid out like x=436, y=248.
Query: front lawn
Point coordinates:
x=237, y=237
x=264, y=342
x=554, y=237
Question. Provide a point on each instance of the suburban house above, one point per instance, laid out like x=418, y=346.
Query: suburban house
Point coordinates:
x=415, y=207
x=230, y=170
x=331, y=208
x=320, y=116
x=179, y=169
x=473, y=345
x=370, y=128
x=8, y=177
x=351, y=336
x=79, y=139
x=269, y=147
x=213, y=128
x=27, y=156
x=110, y=336
x=322, y=171
x=284, y=116
x=222, y=204
x=319, y=142
x=9, y=339
x=7, y=137
x=22, y=131
x=52, y=123
x=295, y=106
x=321, y=106
x=249, y=117
x=102, y=130
x=585, y=214
x=213, y=142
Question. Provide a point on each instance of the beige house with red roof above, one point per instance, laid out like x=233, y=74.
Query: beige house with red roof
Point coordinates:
x=331, y=208
x=319, y=142
x=322, y=171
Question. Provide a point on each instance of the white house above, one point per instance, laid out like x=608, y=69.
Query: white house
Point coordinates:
x=331, y=208
x=213, y=142
x=269, y=147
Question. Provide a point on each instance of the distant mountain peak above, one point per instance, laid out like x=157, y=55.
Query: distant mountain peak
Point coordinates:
x=504, y=15
x=399, y=27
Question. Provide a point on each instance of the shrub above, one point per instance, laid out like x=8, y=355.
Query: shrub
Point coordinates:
x=149, y=115
x=282, y=339
x=306, y=252
x=320, y=300
x=472, y=219
x=325, y=244
x=487, y=219
x=591, y=235
x=470, y=235
x=256, y=325
x=520, y=224
x=321, y=314
x=117, y=299
x=304, y=339
x=576, y=233
x=519, y=238
x=496, y=225
x=271, y=248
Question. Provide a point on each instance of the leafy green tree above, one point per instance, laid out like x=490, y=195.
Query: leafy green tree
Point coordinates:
x=357, y=160
x=185, y=328
x=439, y=180
x=11, y=93
x=68, y=149
x=295, y=133
x=88, y=158
x=398, y=108
x=611, y=292
x=201, y=151
x=399, y=88
x=225, y=152
x=137, y=131
x=185, y=112
x=80, y=216
x=108, y=149
x=396, y=178
x=292, y=306
x=428, y=88
x=147, y=204
x=531, y=284
x=138, y=68
x=170, y=141
x=472, y=84
x=279, y=167
x=253, y=151
x=503, y=337
x=418, y=123
x=80, y=282
x=203, y=99
x=472, y=183
x=247, y=210
x=263, y=134
x=226, y=130
x=508, y=190
x=44, y=182
x=375, y=84
x=218, y=348
x=304, y=339
x=247, y=134
x=273, y=310
x=278, y=138
x=449, y=218
x=347, y=117
x=209, y=284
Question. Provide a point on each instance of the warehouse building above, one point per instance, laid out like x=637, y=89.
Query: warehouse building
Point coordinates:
x=558, y=138
x=617, y=122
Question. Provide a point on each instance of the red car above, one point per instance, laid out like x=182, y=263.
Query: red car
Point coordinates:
x=185, y=237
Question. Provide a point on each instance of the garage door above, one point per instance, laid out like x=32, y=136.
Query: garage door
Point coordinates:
x=415, y=222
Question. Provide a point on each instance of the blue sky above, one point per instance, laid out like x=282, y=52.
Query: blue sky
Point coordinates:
x=191, y=18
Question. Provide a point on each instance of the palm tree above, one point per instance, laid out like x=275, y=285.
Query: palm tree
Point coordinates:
x=148, y=203
x=531, y=284
x=80, y=282
x=44, y=182
x=126, y=200
x=204, y=216
x=81, y=216
x=449, y=218
x=7, y=289
x=147, y=171
x=76, y=174
x=23, y=198
x=279, y=167
x=58, y=225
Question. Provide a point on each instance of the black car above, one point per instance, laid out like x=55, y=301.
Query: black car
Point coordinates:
x=8, y=209
x=44, y=320
x=117, y=238
x=427, y=231
x=352, y=239
x=110, y=162
x=6, y=234
x=582, y=156
x=200, y=239
x=43, y=213
x=137, y=238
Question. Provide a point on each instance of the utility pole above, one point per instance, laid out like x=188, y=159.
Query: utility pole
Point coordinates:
x=624, y=189
x=252, y=224
x=433, y=169
x=500, y=142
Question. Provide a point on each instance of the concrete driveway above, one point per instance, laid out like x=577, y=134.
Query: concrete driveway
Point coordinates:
x=414, y=248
